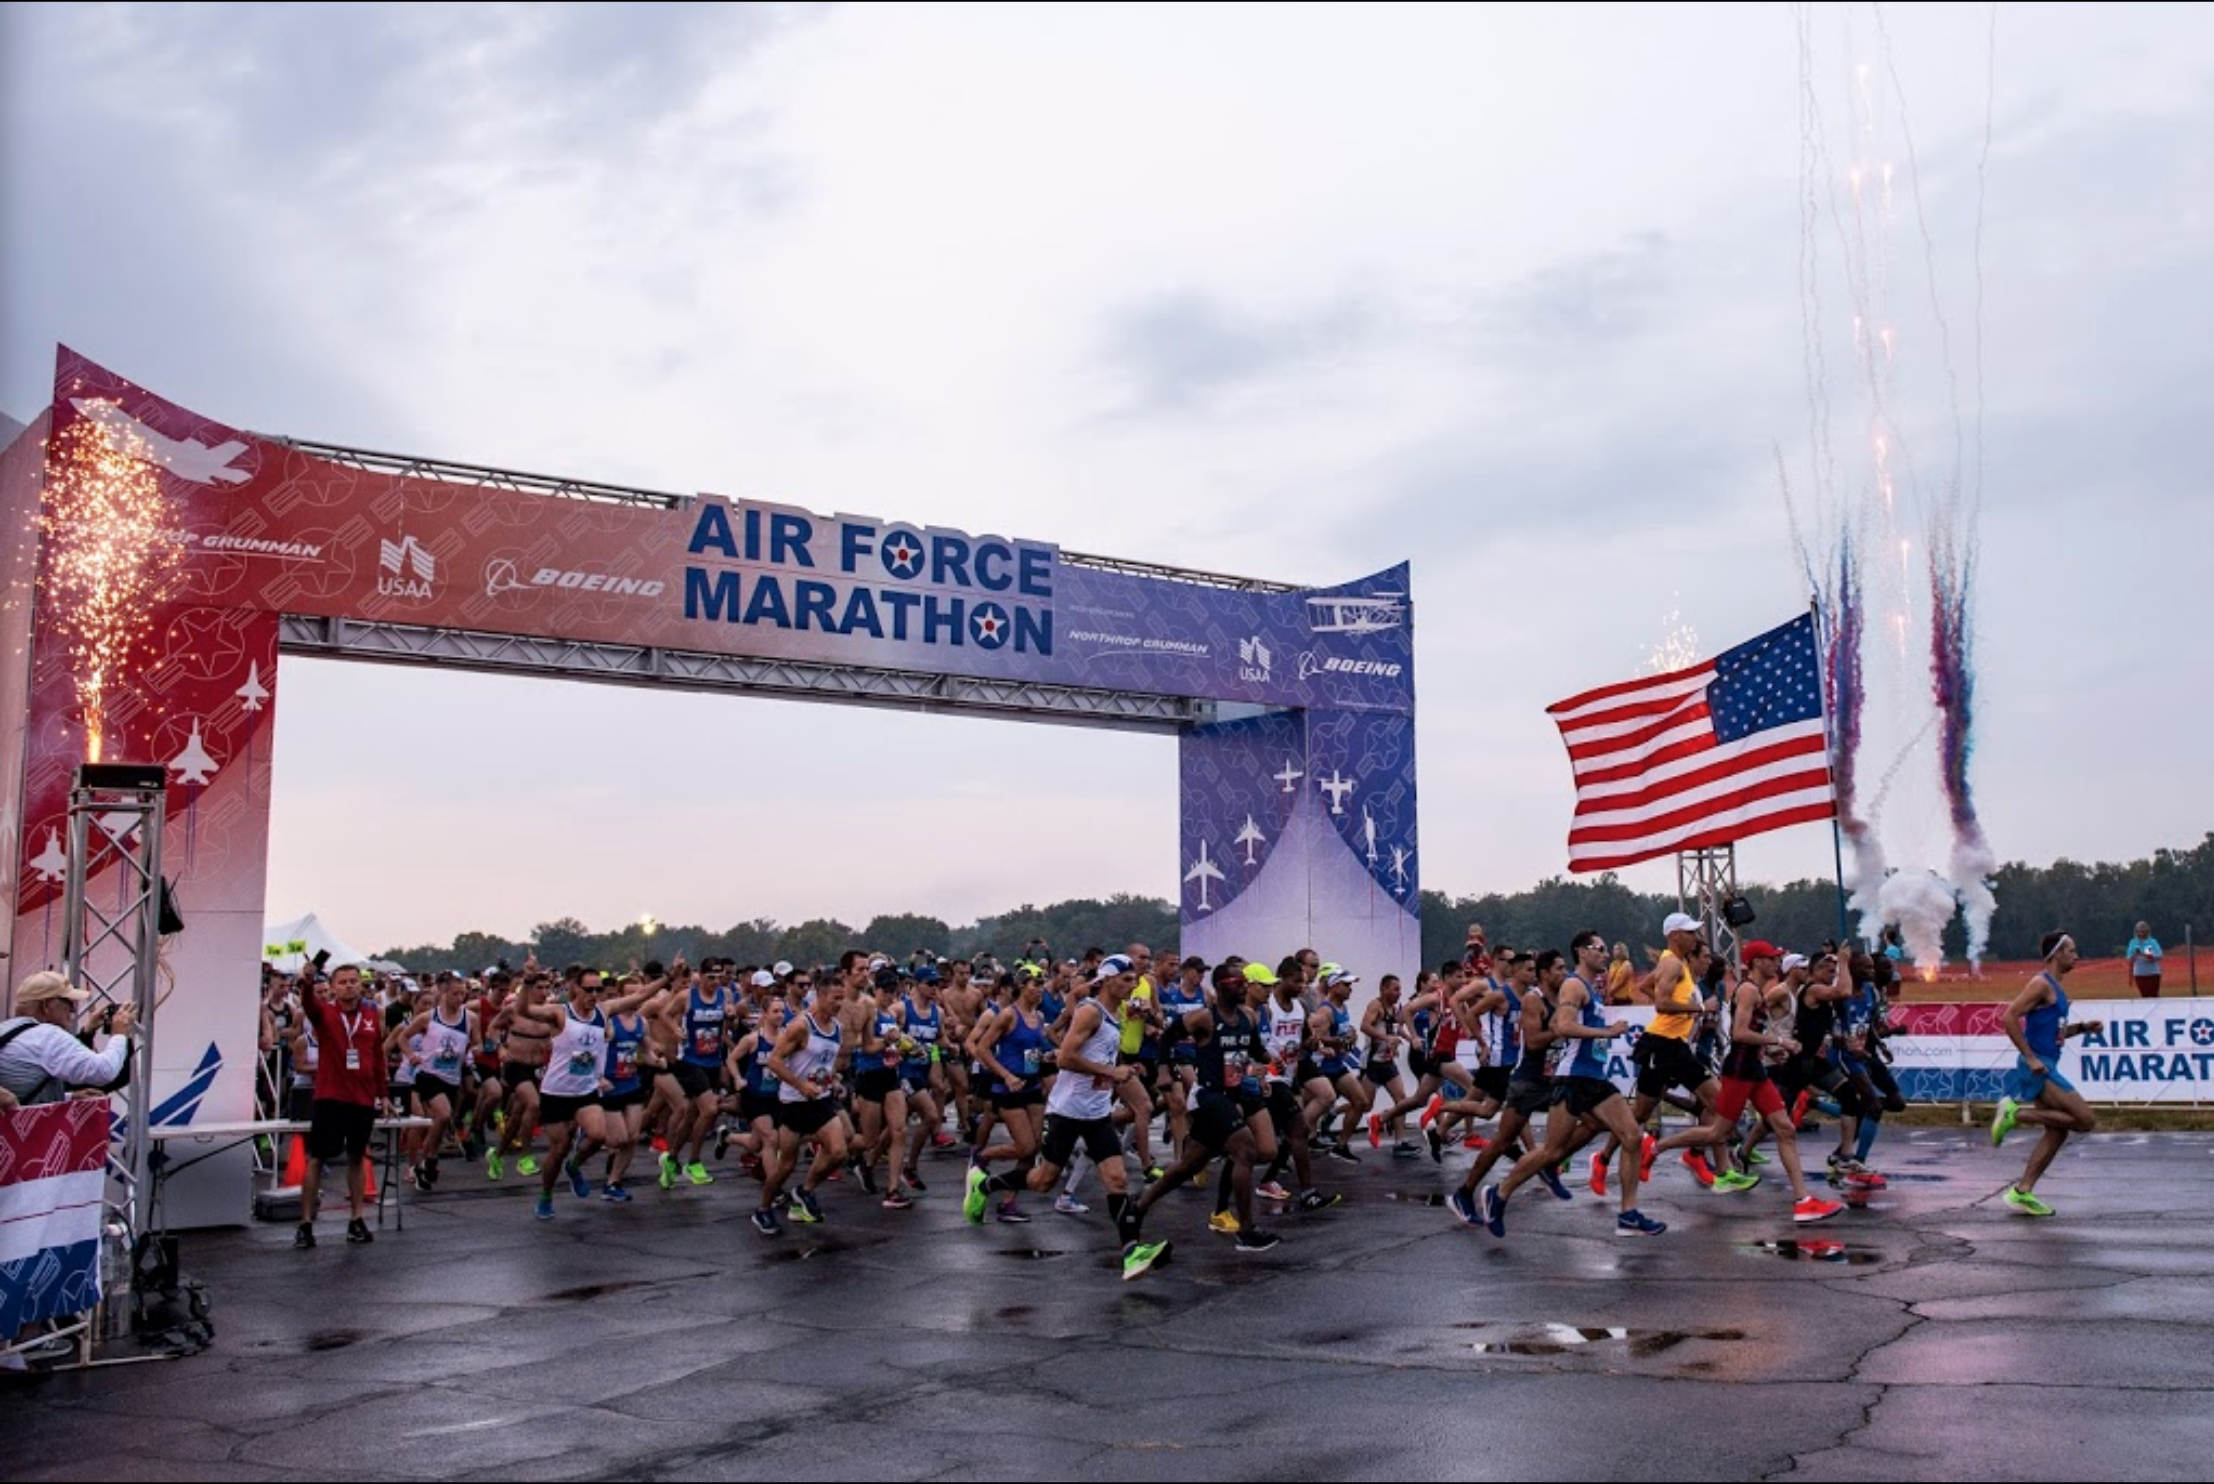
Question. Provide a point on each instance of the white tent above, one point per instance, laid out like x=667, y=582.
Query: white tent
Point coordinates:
x=290, y=945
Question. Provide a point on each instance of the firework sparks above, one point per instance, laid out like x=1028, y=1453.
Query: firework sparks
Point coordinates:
x=112, y=552
x=1679, y=646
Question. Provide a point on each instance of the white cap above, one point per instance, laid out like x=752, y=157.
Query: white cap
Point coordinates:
x=1794, y=961
x=1337, y=977
x=1681, y=922
x=1110, y=966
x=783, y=969
x=763, y=979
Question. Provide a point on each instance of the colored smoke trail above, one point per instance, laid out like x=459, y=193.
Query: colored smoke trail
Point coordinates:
x=1908, y=481
x=112, y=551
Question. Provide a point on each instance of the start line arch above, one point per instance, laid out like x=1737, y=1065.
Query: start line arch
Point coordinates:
x=1294, y=708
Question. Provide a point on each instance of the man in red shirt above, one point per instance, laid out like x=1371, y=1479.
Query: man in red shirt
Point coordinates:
x=349, y=1078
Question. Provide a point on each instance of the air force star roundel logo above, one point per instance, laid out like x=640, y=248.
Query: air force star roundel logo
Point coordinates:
x=902, y=552
x=988, y=625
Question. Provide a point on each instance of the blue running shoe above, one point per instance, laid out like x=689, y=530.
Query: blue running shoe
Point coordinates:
x=1495, y=1211
x=545, y=1208
x=1461, y=1206
x=578, y=1185
x=1552, y=1179
x=1638, y=1224
x=614, y=1191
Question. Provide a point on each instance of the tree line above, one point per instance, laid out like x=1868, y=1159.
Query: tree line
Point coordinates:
x=2099, y=903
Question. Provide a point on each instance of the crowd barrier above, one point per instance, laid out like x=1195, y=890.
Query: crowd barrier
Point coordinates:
x=2149, y=1052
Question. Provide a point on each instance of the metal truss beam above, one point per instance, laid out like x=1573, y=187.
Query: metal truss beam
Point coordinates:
x=673, y=669
x=447, y=471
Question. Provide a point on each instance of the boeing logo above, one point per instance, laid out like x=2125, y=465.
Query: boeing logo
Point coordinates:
x=406, y=569
x=1312, y=665
x=1253, y=660
x=503, y=576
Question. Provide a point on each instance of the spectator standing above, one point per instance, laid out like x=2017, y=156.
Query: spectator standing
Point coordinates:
x=2144, y=962
x=42, y=1055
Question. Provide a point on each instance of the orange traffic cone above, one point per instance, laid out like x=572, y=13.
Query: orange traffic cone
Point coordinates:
x=295, y=1163
x=368, y=1177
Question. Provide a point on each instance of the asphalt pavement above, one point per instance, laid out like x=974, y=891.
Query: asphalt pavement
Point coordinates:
x=1931, y=1334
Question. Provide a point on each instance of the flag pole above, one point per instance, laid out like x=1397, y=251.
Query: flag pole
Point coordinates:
x=1837, y=833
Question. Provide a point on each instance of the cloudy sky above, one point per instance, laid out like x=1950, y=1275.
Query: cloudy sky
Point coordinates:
x=1519, y=293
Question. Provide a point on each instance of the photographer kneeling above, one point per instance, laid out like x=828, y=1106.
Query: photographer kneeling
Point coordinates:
x=42, y=1056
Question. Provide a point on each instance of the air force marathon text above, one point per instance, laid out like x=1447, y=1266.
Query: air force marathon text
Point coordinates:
x=863, y=580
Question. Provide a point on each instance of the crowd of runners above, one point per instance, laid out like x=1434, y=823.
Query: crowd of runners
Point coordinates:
x=1150, y=1072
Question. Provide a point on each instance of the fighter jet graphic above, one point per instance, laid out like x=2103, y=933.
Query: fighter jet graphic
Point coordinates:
x=1252, y=839
x=193, y=765
x=1203, y=871
x=1399, y=859
x=1289, y=776
x=253, y=693
x=52, y=863
x=181, y=457
x=1368, y=834
x=1337, y=786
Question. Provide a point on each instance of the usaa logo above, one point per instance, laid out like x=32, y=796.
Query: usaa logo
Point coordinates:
x=1253, y=660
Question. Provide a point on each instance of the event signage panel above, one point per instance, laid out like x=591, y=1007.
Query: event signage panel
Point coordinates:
x=272, y=528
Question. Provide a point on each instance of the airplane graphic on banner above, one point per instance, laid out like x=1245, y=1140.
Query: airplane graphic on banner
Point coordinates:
x=193, y=765
x=1345, y=615
x=1203, y=871
x=253, y=692
x=187, y=460
x=1290, y=775
x=52, y=863
x=1337, y=786
x=1252, y=839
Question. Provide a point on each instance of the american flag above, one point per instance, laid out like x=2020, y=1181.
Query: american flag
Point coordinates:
x=1699, y=757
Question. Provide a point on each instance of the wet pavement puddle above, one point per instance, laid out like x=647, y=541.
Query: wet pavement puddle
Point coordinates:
x=1572, y=1339
x=1820, y=1250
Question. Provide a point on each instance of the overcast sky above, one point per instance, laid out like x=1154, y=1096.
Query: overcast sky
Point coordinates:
x=1291, y=291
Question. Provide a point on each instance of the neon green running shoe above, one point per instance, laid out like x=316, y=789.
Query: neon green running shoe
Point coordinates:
x=2003, y=1121
x=2026, y=1203
x=1730, y=1182
x=495, y=1168
x=973, y=1204
x=1757, y=1157
x=697, y=1174
x=1140, y=1258
x=527, y=1165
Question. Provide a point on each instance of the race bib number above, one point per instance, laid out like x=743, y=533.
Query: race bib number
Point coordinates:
x=353, y=1059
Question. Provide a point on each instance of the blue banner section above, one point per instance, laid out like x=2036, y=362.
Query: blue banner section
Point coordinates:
x=1241, y=782
x=48, y=1284
x=1364, y=775
x=1277, y=848
x=783, y=583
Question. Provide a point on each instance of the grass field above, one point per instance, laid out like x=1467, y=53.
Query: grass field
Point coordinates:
x=2093, y=979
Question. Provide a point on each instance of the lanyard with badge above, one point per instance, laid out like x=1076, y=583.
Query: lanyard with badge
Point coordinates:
x=352, y=1029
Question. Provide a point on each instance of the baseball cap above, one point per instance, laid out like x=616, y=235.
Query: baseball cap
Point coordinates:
x=1680, y=922
x=783, y=969
x=1337, y=977
x=48, y=985
x=1195, y=962
x=763, y=979
x=1260, y=974
x=1110, y=966
x=1758, y=948
x=1794, y=961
